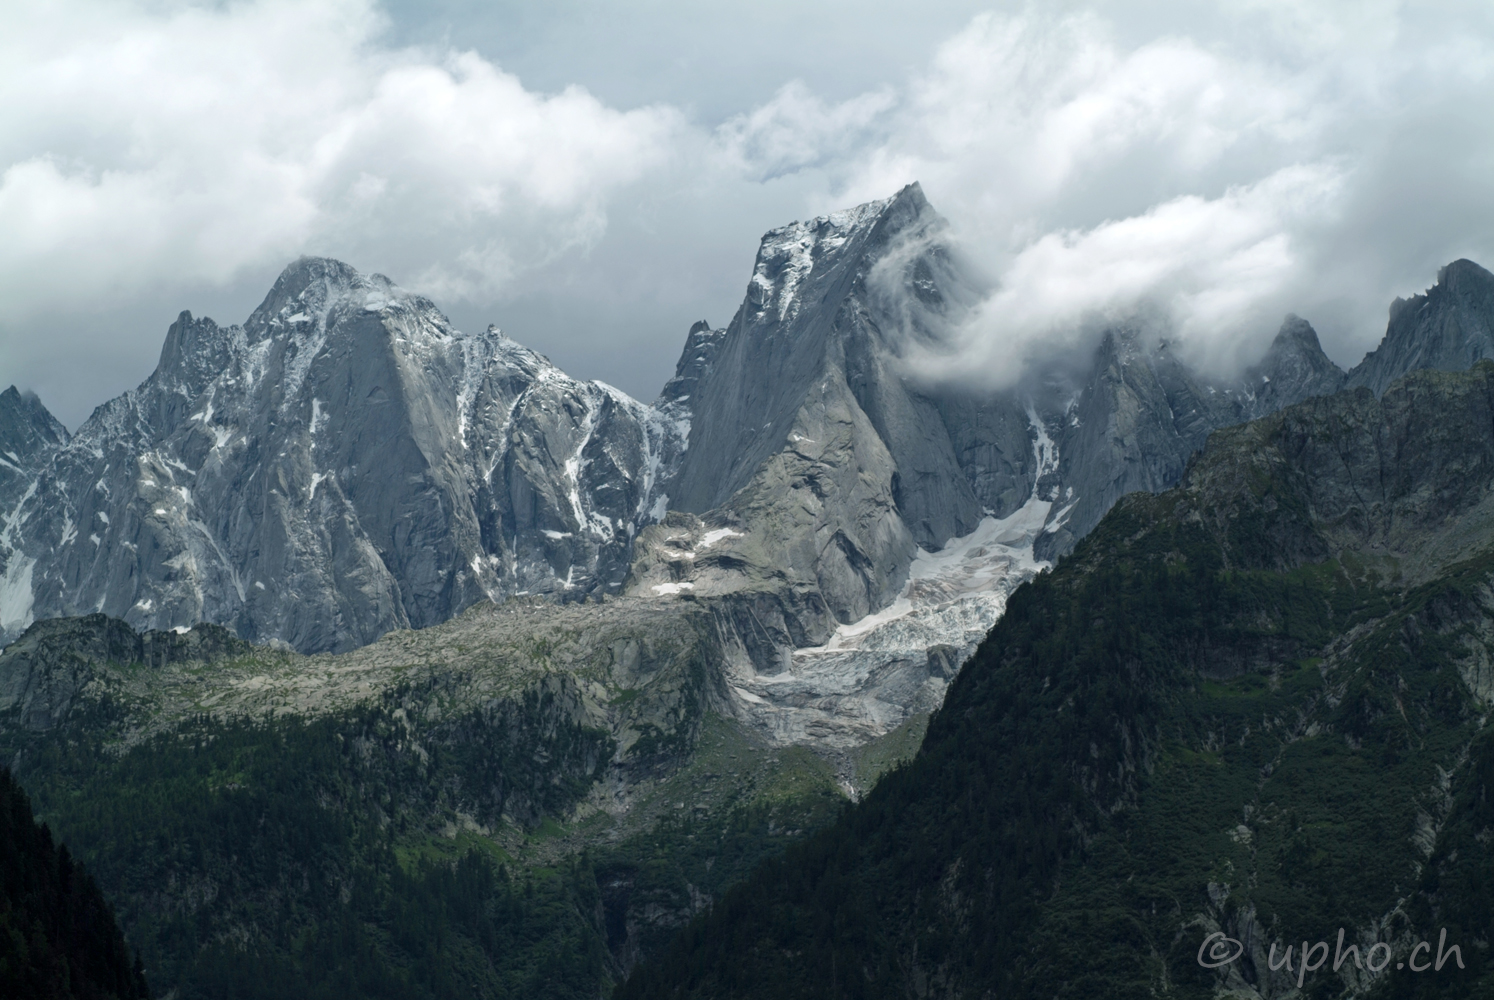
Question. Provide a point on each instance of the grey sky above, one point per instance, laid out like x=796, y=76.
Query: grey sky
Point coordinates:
x=1223, y=163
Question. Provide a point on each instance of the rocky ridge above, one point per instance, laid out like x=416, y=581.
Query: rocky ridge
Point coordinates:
x=1253, y=707
x=343, y=464
x=346, y=464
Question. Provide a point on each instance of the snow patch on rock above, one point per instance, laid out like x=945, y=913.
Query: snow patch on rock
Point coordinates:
x=16, y=595
x=875, y=673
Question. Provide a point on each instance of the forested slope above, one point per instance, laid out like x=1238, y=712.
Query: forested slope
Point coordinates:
x=58, y=937
x=517, y=803
x=1252, y=705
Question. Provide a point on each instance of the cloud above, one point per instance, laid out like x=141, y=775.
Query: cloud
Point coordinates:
x=1212, y=165
x=1212, y=183
x=797, y=129
x=1096, y=182
x=1211, y=271
x=1017, y=114
x=179, y=143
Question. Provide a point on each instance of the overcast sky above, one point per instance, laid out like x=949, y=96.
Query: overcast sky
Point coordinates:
x=593, y=177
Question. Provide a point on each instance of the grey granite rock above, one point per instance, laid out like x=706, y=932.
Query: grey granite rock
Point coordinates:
x=1448, y=328
x=343, y=464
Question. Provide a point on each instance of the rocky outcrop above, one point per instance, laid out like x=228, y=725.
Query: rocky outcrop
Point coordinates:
x=1448, y=328
x=343, y=464
x=1401, y=481
x=44, y=670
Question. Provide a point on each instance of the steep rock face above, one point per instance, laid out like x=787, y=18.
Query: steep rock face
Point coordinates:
x=779, y=443
x=818, y=465
x=1449, y=327
x=1143, y=413
x=343, y=464
x=1258, y=702
x=29, y=437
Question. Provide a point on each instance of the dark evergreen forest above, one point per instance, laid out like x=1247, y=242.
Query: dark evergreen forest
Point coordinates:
x=1183, y=727
x=58, y=937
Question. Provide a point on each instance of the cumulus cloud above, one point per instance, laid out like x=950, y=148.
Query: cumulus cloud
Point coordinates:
x=1215, y=271
x=797, y=129
x=1211, y=184
x=188, y=143
x=1210, y=165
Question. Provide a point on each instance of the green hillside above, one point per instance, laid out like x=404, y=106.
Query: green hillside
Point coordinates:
x=518, y=803
x=1255, y=705
x=58, y=937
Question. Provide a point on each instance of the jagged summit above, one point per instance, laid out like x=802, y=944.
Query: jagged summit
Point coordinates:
x=1293, y=369
x=909, y=203
x=1448, y=328
x=27, y=428
x=346, y=462
x=701, y=344
x=793, y=321
x=310, y=289
x=343, y=464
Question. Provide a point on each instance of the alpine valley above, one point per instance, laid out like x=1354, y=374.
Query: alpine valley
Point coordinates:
x=358, y=656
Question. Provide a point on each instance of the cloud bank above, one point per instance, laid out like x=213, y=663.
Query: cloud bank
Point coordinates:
x=1213, y=166
x=199, y=141
x=1212, y=185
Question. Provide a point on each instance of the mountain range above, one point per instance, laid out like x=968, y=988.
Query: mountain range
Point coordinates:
x=343, y=601
x=345, y=463
x=1248, y=712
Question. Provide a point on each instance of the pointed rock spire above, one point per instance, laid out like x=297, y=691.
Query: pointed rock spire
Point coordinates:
x=1448, y=328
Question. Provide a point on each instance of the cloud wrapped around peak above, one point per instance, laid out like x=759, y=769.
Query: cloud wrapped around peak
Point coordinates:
x=1209, y=165
x=1214, y=273
x=1318, y=161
